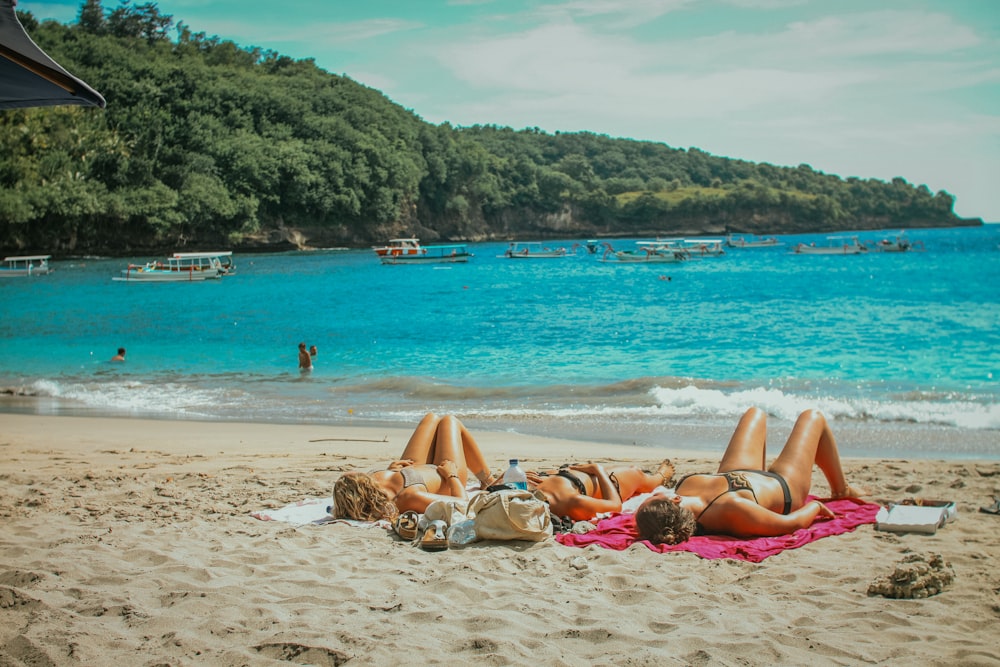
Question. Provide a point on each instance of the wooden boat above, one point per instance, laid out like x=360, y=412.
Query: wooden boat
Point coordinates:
x=188, y=267
x=409, y=251
x=733, y=241
x=837, y=245
x=532, y=250
x=653, y=252
x=398, y=247
x=24, y=266
x=898, y=244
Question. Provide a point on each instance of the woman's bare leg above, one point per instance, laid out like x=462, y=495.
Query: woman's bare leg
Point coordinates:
x=448, y=446
x=420, y=447
x=811, y=442
x=474, y=458
x=747, y=448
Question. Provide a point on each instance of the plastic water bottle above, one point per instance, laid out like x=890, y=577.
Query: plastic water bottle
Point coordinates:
x=515, y=476
x=462, y=533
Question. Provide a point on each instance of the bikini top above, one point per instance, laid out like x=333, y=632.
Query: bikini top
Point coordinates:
x=411, y=477
x=736, y=480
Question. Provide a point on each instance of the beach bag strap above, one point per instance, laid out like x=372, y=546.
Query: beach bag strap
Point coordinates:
x=511, y=514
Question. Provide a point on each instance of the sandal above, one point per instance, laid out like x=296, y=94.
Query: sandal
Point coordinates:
x=405, y=525
x=992, y=509
x=434, y=536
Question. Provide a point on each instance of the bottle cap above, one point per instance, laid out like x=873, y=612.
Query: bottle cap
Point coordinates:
x=513, y=462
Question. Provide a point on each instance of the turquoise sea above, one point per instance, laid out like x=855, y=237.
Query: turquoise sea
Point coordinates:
x=571, y=346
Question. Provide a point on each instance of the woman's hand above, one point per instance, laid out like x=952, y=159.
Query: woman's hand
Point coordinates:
x=447, y=469
x=588, y=468
x=824, y=510
x=403, y=463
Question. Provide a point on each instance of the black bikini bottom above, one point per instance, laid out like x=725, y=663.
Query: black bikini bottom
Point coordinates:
x=565, y=473
x=784, y=488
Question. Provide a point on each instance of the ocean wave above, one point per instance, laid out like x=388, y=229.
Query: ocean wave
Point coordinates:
x=914, y=408
x=404, y=399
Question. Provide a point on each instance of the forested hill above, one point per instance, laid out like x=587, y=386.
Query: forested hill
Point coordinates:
x=204, y=143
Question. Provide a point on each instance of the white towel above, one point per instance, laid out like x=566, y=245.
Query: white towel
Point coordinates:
x=311, y=511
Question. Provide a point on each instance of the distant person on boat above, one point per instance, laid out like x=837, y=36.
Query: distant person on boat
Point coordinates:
x=305, y=361
x=435, y=465
x=120, y=356
x=745, y=499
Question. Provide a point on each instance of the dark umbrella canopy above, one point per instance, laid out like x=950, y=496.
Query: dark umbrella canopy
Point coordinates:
x=28, y=77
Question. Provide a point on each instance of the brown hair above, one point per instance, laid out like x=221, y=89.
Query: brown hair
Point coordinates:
x=357, y=496
x=662, y=521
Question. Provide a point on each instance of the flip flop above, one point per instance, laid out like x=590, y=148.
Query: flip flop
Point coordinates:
x=435, y=536
x=405, y=525
x=992, y=509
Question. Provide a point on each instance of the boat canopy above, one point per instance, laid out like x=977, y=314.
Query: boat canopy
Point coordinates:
x=28, y=258
x=29, y=77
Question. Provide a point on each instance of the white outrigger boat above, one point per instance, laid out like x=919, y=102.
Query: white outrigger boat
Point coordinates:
x=697, y=247
x=838, y=245
x=180, y=268
x=27, y=265
x=733, y=241
x=204, y=260
x=532, y=250
x=653, y=252
x=409, y=251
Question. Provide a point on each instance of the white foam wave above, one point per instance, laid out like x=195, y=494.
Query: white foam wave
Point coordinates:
x=133, y=396
x=692, y=400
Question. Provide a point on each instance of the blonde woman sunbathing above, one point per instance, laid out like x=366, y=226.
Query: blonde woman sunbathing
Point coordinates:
x=743, y=498
x=435, y=465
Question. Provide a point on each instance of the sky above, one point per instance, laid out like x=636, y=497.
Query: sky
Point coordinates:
x=865, y=88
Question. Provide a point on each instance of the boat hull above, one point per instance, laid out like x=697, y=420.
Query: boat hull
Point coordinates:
x=845, y=250
x=460, y=258
x=142, y=275
x=23, y=273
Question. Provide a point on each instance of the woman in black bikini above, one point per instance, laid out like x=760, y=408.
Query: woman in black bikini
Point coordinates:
x=743, y=498
x=435, y=465
x=581, y=492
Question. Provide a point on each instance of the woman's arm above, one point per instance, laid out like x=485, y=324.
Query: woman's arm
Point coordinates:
x=584, y=508
x=742, y=517
x=608, y=490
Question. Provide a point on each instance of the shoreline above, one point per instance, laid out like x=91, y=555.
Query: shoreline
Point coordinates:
x=130, y=537
x=702, y=436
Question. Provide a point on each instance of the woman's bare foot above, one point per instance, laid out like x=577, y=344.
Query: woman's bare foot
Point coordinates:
x=666, y=471
x=851, y=492
x=486, y=479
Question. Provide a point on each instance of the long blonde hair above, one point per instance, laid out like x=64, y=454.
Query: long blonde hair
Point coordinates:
x=357, y=496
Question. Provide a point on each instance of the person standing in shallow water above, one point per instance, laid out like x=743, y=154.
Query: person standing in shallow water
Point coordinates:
x=120, y=356
x=305, y=361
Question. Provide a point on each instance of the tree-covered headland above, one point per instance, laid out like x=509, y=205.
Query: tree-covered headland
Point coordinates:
x=206, y=143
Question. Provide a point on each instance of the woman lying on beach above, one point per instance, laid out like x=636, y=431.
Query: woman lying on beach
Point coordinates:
x=581, y=492
x=743, y=498
x=436, y=463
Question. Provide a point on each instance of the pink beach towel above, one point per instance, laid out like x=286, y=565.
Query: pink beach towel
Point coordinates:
x=618, y=532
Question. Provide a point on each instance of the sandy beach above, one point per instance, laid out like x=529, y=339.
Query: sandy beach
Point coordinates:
x=131, y=542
